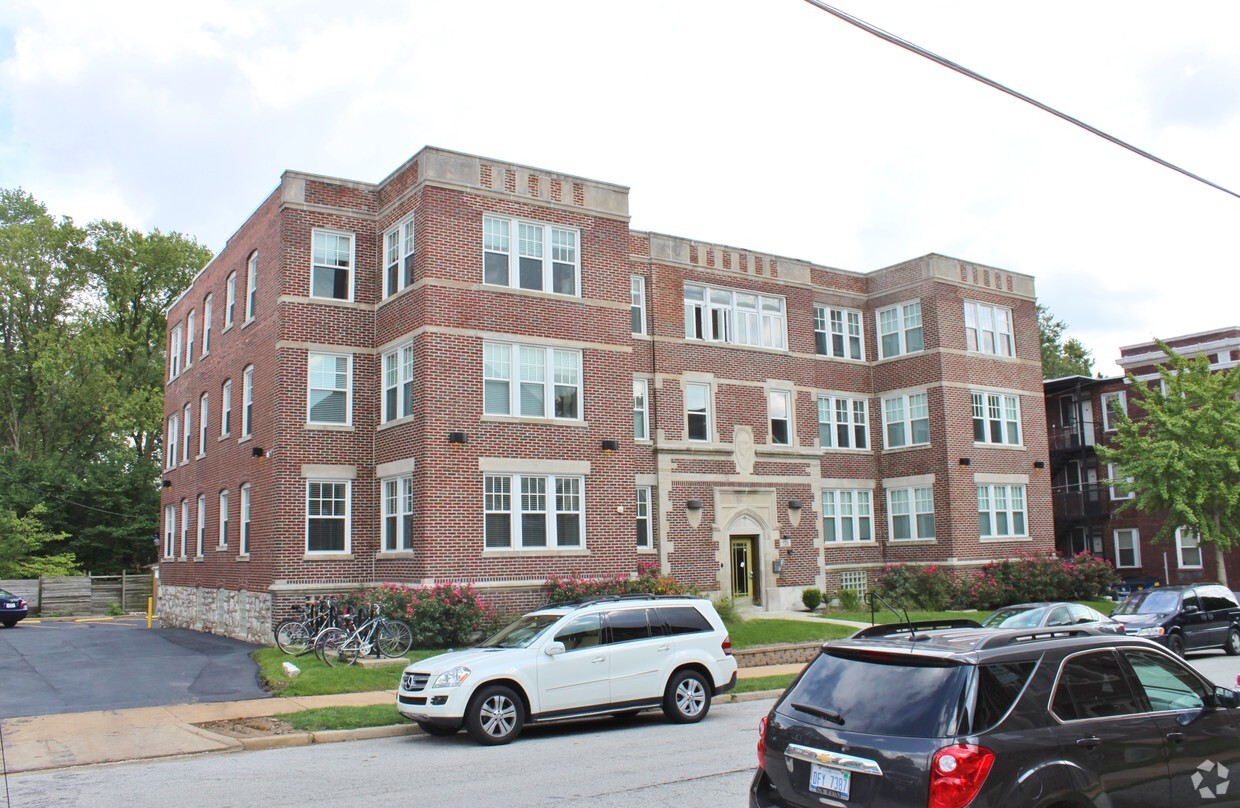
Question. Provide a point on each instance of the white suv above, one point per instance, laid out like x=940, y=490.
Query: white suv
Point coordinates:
x=615, y=654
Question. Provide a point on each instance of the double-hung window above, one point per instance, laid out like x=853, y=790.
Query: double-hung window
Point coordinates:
x=847, y=515
x=906, y=420
x=398, y=258
x=184, y=526
x=1127, y=547
x=206, y=325
x=988, y=329
x=245, y=520
x=899, y=330
x=779, y=410
x=641, y=410
x=247, y=402
x=637, y=303
x=191, y=322
x=327, y=516
x=1188, y=548
x=202, y=525
x=547, y=257
x=174, y=438
x=251, y=286
x=202, y=425
x=843, y=423
x=1121, y=486
x=174, y=353
x=697, y=411
x=188, y=435
x=547, y=381
x=741, y=318
x=912, y=513
x=644, y=540
x=1001, y=511
x=230, y=300
x=331, y=271
x=533, y=511
x=398, y=514
x=1112, y=406
x=398, y=383
x=226, y=408
x=837, y=332
x=996, y=418
x=170, y=530
x=330, y=387
x=223, y=518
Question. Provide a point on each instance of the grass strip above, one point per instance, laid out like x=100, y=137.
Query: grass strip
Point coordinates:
x=317, y=679
x=772, y=632
x=327, y=718
x=759, y=683
x=884, y=616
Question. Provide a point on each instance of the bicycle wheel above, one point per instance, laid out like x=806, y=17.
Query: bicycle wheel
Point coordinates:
x=395, y=638
x=329, y=644
x=292, y=637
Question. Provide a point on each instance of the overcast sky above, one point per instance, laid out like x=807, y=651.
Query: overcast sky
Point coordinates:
x=763, y=124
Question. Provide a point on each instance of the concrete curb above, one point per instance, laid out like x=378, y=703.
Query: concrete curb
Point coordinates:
x=326, y=736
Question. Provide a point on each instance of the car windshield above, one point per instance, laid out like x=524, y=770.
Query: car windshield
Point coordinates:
x=1152, y=601
x=1014, y=617
x=522, y=631
x=4, y=593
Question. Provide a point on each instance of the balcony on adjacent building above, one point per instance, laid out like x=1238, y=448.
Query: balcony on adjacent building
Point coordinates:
x=1081, y=503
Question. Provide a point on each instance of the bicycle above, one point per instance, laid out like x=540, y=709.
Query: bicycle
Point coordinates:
x=296, y=636
x=377, y=635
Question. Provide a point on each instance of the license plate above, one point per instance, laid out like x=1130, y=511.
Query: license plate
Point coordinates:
x=830, y=781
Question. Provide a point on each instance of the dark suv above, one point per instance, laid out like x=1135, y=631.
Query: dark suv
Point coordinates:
x=908, y=715
x=1184, y=618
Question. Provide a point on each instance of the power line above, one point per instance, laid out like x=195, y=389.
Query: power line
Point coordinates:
x=71, y=502
x=934, y=57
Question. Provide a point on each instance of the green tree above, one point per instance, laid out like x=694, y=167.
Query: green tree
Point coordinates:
x=21, y=540
x=1183, y=453
x=1061, y=356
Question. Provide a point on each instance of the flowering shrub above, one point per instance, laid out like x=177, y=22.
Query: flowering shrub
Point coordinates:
x=928, y=588
x=649, y=580
x=440, y=616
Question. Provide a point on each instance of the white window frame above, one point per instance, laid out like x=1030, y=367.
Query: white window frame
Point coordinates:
x=223, y=517
x=230, y=300
x=251, y=286
x=243, y=548
x=517, y=497
x=170, y=530
x=988, y=329
x=346, y=517
x=1114, y=474
x=644, y=524
x=350, y=267
x=206, y=324
x=202, y=524
x=984, y=406
x=203, y=410
x=399, y=245
x=191, y=321
x=547, y=246
x=904, y=317
x=1136, y=547
x=850, y=511
x=637, y=303
x=347, y=390
x=184, y=528
x=515, y=370
x=396, y=496
x=174, y=353
x=226, y=408
x=773, y=401
x=916, y=499
x=247, y=402
x=706, y=391
x=1186, y=539
x=846, y=325
x=905, y=419
x=1002, y=504
x=397, y=383
x=174, y=440
x=641, y=409
x=1108, y=423
x=856, y=413
x=736, y=317
x=187, y=435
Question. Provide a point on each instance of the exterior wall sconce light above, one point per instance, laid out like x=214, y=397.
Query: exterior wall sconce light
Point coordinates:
x=795, y=504
x=167, y=483
x=457, y=438
x=258, y=452
x=1039, y=464
x=611, y=445
x=694, y=504
x=964, y=461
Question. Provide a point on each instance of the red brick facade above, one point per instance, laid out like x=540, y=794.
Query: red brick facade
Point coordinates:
x=448, y=309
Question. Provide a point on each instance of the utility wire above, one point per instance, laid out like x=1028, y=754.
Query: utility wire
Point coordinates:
x=71, y=502
x=934, y=57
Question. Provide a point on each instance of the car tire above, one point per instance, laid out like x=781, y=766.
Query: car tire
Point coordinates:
x=495, y=716
x=439, y=730
x=1175, y=644
x=1232, y=646
x=687, y=697
x=10, y=623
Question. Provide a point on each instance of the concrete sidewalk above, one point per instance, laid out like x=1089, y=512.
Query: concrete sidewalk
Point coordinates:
x=42, y=742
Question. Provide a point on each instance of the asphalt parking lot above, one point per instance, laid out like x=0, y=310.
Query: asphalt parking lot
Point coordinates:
x=61, y=666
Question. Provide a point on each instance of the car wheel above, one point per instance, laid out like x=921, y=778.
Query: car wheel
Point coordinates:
x=10, y=623
x=1176, y=644
x=438, y=730
x=1232, y=647
x=495, y=716
x=687, y=698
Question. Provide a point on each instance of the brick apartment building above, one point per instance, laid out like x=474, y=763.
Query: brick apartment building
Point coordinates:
x=1088, y=518
x=475, y=371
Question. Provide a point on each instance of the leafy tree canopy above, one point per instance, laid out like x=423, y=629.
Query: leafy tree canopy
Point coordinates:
x=1061, y=356
x=21, y=540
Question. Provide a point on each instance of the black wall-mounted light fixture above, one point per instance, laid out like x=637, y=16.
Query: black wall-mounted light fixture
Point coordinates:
x=611, y=445
x=964, y=461
x=1039, y=464
x=257, y=451
x=694, y=504
x=458, y=438
x=795, y=504
x=167, y=483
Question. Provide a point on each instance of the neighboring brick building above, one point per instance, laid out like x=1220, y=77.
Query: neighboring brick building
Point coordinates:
x=475, y=371
x=1088, y=515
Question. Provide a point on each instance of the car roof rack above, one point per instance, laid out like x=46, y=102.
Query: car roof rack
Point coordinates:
x=590, y=600
x=912, y=627
x=1001, y=639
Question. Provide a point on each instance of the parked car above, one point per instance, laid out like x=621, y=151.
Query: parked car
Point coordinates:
x=12, y=608
x=611, y=655
x=1019, y=718
x=1038, y=615
x=1184, y=618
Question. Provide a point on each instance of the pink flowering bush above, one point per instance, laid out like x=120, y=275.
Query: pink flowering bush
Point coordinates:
x=648, y=580
x=440, y=616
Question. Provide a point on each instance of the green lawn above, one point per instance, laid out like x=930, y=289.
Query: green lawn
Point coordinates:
x=317, y=679
x=885, y=616
x=767, y=632
x=763, y=683
x=322, y=718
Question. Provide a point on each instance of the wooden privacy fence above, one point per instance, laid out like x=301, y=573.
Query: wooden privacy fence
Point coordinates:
x=83, y=594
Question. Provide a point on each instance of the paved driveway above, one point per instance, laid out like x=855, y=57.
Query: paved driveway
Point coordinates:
x=68, y=667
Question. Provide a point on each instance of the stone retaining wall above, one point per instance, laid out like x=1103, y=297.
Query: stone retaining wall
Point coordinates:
x=797, y=654
x=232, y=613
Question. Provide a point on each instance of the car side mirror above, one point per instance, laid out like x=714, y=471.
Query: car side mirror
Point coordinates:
x=1226, y=697
x=1190, y=609
x=554, y=648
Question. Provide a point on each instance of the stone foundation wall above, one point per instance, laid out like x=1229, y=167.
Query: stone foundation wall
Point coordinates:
x=797, y=654
x=234, y=613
